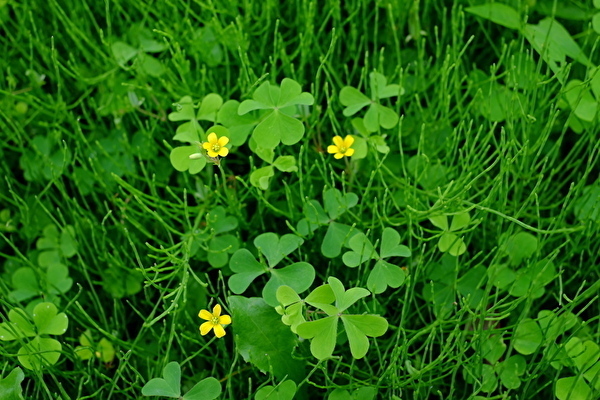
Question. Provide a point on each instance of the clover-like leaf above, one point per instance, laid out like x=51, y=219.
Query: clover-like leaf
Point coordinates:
x=39, y=353
x=510, y=371
x=383, y=275
x=207, y=389
x=184, y=110
x=336, y=236
x=246, y=269
x=527, y=337
x=219, y=249
x=390, y=245
x=520, y=246
x=345, y=298
x=260, y=178
x=572, y=388
x=239, y=126
x=277, y=125
x=218, y=220
x=362, y=250
x=58, y=280
x=10, y=385
x=284, y=391
x=180, y=159
x=209, y=106
x=18, y=326
x=25, y=283
x=337, y=203
x=452, y=244
x=299, y=276
x=358, y=327
x=275, y=248
x=48, y=321
x=377, y=114
x=323, y=333
x=169, y=385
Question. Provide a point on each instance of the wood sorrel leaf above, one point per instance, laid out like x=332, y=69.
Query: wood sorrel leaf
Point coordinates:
x=168, y=386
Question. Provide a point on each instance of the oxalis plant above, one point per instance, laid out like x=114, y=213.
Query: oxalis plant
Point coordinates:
x=333, y=300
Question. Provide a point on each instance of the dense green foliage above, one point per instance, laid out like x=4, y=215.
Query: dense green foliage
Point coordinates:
x=454, y=255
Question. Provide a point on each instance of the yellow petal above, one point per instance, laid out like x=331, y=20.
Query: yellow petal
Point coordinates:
x=219, y=331
x=205, y=315
x=338, y=141
x=349, y=152
x=212, y=154
x=338, y=155
x=206, y=327
x=225, y=320
x=223, y=151
x=212, y=138
x=348, y=140
x=217, y=310
x=331, y=149
x=206, y=145
x=223, y=140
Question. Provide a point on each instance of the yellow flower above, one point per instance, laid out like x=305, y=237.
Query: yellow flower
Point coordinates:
x=214, y=321
x=341, y=147
x=216, y=146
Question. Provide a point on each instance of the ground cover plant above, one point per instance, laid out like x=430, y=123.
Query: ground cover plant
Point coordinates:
x=346, y=200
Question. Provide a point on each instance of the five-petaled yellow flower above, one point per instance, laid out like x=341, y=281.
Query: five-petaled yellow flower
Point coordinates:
x=216, y=146
x=341, y=147
x=214, y=321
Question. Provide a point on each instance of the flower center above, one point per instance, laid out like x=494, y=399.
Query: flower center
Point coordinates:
x=216, y=148
x=215, y=320
x=343, y=149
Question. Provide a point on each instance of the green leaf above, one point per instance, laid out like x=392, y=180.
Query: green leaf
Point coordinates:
x=584, y=353
x=246, y=269
x=58, y=281
x=572, y=388
x=337, y=203
x=276, y=249
x=353, y=99
x=263, y=340
x=362, y=250
x=379, y=87
x=440, y=221
x=68, y=245
x=48, y=321
x=498, y=13
x=452, y=244
x=286, y=295
x=180, y=159
x=189, y=132
x=320, y=296
x=501, y=276
x=527, y=337
x=323, y=333
x=207, y=389
x=39, y=353
x=121, y=282
x=239, y=126
x=299, y=276
x=492, y=348
x=511, y=370
x=286, y=164
x=284, y=391
x=390, y=245
x=25, y=283
x=184, y=110
x=580, y=100
x=587, y=206
x=596, y=22
x=345, y=298
x=219, y=249
x=460, y=221
x=209, y=107
x=520, y=246
x=336, y=236
x=10, y=386
x=276, y=125
x=358, y=327
x=170, y=386
x=218, y=220
x=260, y=177
x=18, y=326
x=383, y=275
x=150, y=65
x=123, y=52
